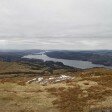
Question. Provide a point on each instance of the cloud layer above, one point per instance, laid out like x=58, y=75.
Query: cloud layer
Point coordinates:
x=55, y=24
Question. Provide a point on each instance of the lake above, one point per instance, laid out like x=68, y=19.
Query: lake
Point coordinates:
x=72, y=63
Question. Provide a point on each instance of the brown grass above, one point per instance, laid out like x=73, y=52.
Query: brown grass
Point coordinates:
x=28, y=98
x=67, y=96
x=104, y=80
x=73, y=100
x=70, y=100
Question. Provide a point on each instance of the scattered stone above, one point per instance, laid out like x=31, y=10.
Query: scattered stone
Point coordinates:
x=49, y=80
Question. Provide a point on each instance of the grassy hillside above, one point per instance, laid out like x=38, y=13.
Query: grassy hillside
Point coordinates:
x=86, y=91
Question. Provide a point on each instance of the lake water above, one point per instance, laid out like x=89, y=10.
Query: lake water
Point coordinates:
x=73, y=63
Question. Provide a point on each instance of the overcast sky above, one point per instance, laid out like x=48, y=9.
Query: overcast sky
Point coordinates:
x=56, y=24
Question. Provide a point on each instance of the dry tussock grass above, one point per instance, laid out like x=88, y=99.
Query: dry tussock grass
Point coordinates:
x=70, y=100
x=96, y=72
x=28, y=98
x=66, y=96
x=104, y=80
x=20, y=80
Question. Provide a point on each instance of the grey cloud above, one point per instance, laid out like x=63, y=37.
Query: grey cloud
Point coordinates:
x=59, y=24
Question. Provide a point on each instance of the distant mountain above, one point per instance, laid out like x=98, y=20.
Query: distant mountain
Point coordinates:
x=103, y=57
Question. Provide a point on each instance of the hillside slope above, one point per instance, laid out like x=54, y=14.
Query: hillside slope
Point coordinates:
x=63, y=90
